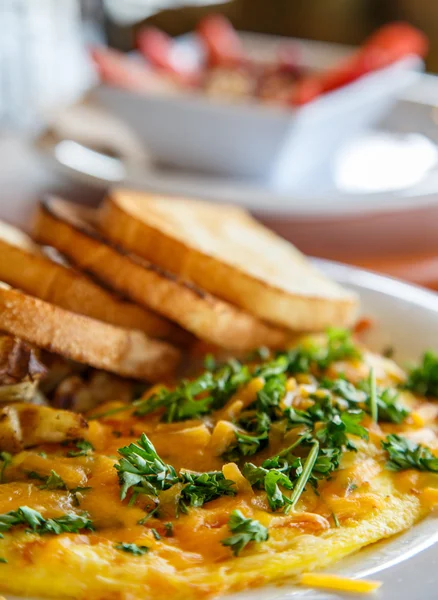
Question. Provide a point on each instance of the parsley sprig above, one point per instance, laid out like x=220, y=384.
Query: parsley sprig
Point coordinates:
x=132, y=549
x=141, y=469
x=50, y=482
x=211, y=390
x=200, y=488
x=244, y=531
x=83, y=448
x=6, y=460
x=423, y=379
x=68, y=523
x=406, y=454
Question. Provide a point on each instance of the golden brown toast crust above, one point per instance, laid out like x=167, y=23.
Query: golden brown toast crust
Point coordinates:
x=24, y=266
x=63, y=226
x=225, y=251
x=129, y=353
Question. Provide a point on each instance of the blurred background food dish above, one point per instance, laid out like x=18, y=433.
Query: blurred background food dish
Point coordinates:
x=366, y=197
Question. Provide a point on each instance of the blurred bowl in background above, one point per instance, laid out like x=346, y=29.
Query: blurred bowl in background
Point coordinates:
x=276, y=146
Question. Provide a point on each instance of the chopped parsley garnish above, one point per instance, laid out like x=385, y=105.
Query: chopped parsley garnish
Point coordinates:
x=132, y=549
x=246, y=444
x=244, y=531
x=156, y=535
x=141, y=469
x=77, y=494
x=6, y=460
x=168, y=527
x=83, y=448
x=289, y=472
x=203, y=487
x=50, y=482
x=423, y=379
x=406, y=454
x=68, y=523
x=335, y=432
x=382, y=402
x=340, y=346
x=211, y=390
x=275, y=474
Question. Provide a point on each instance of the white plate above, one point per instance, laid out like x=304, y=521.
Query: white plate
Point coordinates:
x=407, y=318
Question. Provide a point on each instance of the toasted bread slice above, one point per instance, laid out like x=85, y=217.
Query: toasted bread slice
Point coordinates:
x=69, y=228
x=127, y=352
x=225, y=251
x=25, y=266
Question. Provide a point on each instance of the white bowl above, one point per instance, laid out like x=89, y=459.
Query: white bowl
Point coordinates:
x=278, y=146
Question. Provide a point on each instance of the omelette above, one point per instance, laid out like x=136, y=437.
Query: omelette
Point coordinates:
x=251, y=471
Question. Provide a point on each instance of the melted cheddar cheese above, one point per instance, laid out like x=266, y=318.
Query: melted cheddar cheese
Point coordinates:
x=361, y=503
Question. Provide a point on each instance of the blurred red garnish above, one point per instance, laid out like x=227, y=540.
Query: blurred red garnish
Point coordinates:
x=363, y=324
x=156, y=47
x=387, y=45
x=222, y=44
x=117, y=69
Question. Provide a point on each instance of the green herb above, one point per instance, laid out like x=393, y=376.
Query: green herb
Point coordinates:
x=339, y=346
x=336, y=431
x=203, y=487
x=156, y=535
x=141, y=469
x=3, y=560
x=80, y=489
x=388, y=352
x=336, y=520
x=244, y=531
x=132, y=549
x=273, y=391
x=390, y=410
x=262, y=353
x=211, y=390
x=184, y=403
x=304, y=476
x=406, y=454
x=245, y=445
x=275, y=473
x=423, y=379
x=210, y=363
x=83, y=448
x=76, y=494
x=51, y=482
x=150, y=514
x=6, y=459
x=169, y=529
x=386, y=400
x=42, y=454
x=68, y=523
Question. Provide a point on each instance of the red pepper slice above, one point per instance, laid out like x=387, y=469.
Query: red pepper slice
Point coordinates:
x=387, y=45
x=222, y=44
x=156, y=47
